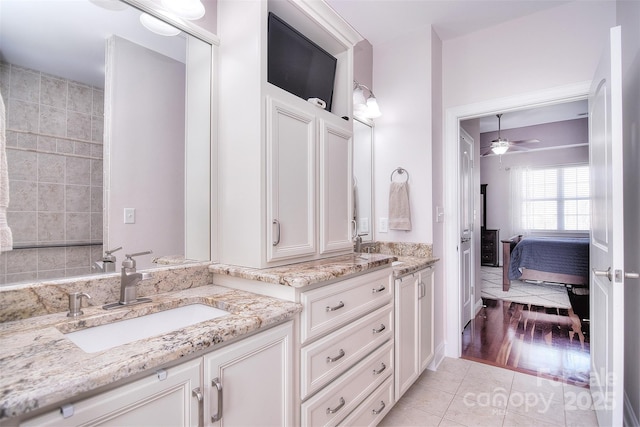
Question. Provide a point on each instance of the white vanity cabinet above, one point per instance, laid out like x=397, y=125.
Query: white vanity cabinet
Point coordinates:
x=414, y=328
x=346, y=355
x=161, y=398
x=218, y=388
x=300, y=148
x=284, y=164
x=251, y=382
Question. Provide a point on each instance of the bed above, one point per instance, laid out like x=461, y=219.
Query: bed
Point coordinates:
x=546, y=259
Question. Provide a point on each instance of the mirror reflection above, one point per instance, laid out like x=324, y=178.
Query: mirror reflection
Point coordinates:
x=363, y=178
x=107, y=141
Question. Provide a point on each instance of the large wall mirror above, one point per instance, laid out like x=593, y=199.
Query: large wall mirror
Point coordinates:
x=108, y=138
x=363, y=178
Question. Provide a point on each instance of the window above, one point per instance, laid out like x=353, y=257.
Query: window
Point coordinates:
x=551, y=199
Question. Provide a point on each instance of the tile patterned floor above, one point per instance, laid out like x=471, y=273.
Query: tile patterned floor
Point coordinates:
x=466, y=393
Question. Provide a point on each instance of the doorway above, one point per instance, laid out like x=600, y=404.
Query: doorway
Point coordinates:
x=453, y=118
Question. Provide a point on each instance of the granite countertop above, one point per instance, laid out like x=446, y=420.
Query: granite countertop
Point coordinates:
x=308, y=273
x=41, y=367
x=410, y=264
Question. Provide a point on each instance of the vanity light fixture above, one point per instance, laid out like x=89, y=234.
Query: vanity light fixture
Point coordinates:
x=186, y=9
x=155, y=25
x=364, y=107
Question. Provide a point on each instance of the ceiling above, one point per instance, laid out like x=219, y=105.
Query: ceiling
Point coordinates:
x=382, y=20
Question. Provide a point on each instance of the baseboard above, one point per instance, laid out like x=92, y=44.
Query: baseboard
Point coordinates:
x=438, y=357
x=630, y=417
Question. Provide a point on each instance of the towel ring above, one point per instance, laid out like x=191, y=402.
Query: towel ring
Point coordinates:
x=400, y=171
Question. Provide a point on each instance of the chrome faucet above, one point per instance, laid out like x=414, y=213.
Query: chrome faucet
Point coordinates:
x=129, y=280
x=108, y=262
x=358, y=240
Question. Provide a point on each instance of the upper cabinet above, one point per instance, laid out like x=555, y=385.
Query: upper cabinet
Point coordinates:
x=285, y=175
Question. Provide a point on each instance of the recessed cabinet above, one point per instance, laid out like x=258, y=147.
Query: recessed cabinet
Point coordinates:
x=414, y=328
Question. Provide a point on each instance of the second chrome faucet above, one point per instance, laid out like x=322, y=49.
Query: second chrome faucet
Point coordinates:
x=129, y=279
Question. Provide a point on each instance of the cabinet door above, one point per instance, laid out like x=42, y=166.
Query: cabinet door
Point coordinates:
x=425, y=317
x=336, y=188
x=291, y=172
x=250, y=383
x=407, y=367
x=163, y=398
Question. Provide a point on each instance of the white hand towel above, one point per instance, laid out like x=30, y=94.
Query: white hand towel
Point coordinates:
x=399, y=212
x=6, y=238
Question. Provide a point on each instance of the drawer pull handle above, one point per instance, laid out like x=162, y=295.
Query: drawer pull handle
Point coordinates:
x=337, y=307
x=340, y=355
x=377, y=411
x=382, y=328
x=380, y=289
x=337, y=408
x=379, y=371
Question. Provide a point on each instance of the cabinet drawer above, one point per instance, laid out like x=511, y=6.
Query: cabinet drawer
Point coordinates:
x=329, y=357
x=332, y=306
x=374, y=408
x=327, y=407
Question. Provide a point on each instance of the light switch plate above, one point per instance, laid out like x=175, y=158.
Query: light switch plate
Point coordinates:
x=129, y=215
x=384, y=225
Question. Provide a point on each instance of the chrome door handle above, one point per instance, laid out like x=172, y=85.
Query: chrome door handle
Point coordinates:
x=340, y=355
x=377, y=411
x=198, y=395
x=337, y=408
x=603, y=273
x=379, y=371
x=277, y=223
x=379, y=289
x=382, y=328
x=631, y=275
x=218, y=416
x=337, y=307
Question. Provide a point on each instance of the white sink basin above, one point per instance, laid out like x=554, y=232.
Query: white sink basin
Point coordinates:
x=111, y=335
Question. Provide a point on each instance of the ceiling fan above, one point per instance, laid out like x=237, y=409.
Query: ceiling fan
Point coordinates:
x=502, y=145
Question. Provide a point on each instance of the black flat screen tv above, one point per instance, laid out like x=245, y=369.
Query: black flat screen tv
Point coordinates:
x=298, y=65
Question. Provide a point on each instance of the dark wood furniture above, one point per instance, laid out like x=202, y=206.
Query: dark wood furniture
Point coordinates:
x=489, y=247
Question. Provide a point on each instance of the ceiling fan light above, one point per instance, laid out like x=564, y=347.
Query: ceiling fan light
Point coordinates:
x=499, y=148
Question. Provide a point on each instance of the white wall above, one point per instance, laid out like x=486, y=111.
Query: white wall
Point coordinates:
x=628, y=17
x=551, y=48
x=402, y=80
x=149, y=159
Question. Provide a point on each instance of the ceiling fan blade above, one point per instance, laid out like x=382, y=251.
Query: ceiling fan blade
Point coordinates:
x=518, y=148
x=486, y=152
x=525, y=141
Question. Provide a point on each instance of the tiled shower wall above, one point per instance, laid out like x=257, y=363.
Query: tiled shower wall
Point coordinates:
x=54, y=154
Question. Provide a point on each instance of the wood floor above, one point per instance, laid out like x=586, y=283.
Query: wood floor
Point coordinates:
x=548, y=342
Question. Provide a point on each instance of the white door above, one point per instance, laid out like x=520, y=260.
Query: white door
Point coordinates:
x=607, y=231
x=466, y=227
